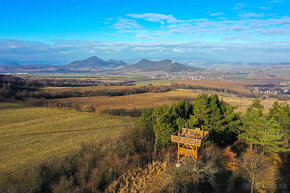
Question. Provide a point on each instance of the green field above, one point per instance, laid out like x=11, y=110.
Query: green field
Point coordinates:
x=30, y=135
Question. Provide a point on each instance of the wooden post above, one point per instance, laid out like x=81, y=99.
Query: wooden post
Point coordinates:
x=178, y=158
x=189, y=142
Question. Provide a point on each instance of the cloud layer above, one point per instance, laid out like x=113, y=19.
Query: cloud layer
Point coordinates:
x=249, y=36
x=64, y=51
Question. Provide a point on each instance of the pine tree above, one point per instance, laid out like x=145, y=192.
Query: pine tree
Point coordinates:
x=181, y=113
x=231, y=123
x=281, y=113
x=259, y=131
x=217, y=117
x=215, y=120
x=201, y=112
x=163, y=126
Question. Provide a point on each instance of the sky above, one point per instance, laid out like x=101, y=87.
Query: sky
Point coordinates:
x=61, y=31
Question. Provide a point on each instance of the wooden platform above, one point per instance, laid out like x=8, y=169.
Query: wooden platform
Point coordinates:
x=189, y=142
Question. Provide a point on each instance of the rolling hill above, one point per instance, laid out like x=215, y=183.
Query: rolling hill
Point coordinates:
x=163, y=65
x=94, y=64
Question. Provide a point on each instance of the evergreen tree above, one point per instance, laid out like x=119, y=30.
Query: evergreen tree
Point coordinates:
x=231, y=122
x=259, y=131
x=164, y=125
x=217, y=117
x=201, y=111
x=181, y=112
x=281, y=113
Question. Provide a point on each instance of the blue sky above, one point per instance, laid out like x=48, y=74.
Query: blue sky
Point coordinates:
x=59, y=31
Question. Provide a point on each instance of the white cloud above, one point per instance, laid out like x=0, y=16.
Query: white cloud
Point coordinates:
x=274, y=1
x=249, y=15
x=155, y=17
x=125, y=24
x=64, y=51
x=244, y=26
x=274, y=31
x=239, y=6
x=215, y=14
x=265, y=8
x=143, y=35
x=178, y=50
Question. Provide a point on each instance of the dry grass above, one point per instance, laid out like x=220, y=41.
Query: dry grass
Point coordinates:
x=54, y=90
x=30, y=135
x=154, y=82
x=140, y=101
x=233, y=85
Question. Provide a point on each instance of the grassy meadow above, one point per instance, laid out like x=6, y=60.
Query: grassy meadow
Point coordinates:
x=30, y=135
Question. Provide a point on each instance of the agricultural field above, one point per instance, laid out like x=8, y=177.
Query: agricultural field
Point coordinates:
x=31, y=135
x=232, y=85
x=140, y=101
x=80, y=76
x=59, y=90
x=154, y=82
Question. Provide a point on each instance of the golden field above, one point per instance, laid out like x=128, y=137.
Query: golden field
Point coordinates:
x=143, y=100
x=232, y=85
x=31, y=135
x=54, y=90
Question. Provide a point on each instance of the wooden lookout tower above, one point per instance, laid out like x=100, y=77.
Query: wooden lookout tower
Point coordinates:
x=189, y=142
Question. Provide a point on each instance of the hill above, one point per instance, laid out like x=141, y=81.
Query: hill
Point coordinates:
x=120, y=62
x=163, y=65
x=94, y=64
x=91, y=64
x=9, y=64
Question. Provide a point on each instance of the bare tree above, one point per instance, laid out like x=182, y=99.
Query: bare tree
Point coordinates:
x=253, y=167
x=202, y=170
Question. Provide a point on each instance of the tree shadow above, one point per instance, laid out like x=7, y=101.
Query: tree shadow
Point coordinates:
x=283, y=183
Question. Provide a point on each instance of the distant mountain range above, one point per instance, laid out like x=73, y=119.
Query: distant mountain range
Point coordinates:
x=95, y=64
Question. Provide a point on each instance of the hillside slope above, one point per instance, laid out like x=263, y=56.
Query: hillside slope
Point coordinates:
x=163, y=65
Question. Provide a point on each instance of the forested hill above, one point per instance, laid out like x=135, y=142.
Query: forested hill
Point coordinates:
x=163, y=65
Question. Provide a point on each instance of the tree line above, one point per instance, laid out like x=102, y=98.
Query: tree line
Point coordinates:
x=57, y=82
x=17, y=88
